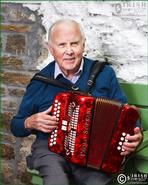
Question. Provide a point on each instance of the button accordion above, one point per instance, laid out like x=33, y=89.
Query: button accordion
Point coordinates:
x=91, y=130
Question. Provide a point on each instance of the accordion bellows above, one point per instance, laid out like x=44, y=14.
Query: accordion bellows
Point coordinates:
x=91, y=130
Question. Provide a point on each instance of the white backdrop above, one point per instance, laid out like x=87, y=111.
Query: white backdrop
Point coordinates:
x=115, y=29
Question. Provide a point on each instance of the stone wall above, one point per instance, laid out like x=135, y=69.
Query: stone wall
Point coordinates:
x=116, y=30
x=22, y=34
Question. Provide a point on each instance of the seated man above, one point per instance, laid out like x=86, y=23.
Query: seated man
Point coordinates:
x=66, y=44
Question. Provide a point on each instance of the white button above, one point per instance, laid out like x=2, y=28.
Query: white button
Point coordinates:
x=123, y=150
x=54, y=143
x=51, y=144
x=124, y=134
x=63, y=128
x=126, y=140
x=118, y=148
x=64, y=122
x=56, y=101
x=120, y=143
x=122, y=138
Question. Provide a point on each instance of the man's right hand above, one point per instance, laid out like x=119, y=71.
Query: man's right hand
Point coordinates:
x=42, y=121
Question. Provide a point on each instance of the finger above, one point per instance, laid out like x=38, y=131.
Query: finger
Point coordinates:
x=49, y=118
x=46, y=128
x=127, y=150
x=49, y=127
x=131, y=149
x=130, y=145
x=48, y=111
x=49, y=122
x=135, y=137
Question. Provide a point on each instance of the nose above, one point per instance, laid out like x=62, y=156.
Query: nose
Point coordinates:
x=69, y=49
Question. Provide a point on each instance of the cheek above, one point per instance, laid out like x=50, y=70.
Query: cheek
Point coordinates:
x=80, y=51
x=57, y=54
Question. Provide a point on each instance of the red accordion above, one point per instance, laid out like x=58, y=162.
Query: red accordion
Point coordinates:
x=91, y=130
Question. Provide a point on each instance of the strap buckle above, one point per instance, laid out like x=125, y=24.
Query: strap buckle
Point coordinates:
x=75, y=88
x=89, y=82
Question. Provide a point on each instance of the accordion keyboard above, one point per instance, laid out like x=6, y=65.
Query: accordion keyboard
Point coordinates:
x=70, y=140
x=56, y=113
x=122, y=140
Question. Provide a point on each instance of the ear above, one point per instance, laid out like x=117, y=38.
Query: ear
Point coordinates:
x=83, y=46
x=46, y=44
x=49, y=47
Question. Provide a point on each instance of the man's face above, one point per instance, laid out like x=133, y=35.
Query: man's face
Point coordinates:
x=67, y=46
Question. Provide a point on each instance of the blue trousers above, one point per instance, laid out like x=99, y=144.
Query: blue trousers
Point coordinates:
x=55, y=170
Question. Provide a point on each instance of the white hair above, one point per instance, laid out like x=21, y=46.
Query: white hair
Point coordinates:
x=71, y=21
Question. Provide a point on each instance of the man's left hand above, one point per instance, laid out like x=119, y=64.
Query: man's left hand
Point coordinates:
x=132, y=142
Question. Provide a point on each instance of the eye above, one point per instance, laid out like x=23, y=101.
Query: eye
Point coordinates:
x=61, y=45
x=74, y=44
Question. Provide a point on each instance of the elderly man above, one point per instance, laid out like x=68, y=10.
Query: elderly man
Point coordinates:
x=66, y=44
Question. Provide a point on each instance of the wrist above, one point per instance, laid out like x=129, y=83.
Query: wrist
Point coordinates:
x=26, y=124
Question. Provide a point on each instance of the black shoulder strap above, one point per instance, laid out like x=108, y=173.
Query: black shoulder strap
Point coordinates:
x=54, y=82
x=95, y=70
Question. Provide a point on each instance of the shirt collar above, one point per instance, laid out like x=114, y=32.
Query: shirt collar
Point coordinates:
x=58, y=70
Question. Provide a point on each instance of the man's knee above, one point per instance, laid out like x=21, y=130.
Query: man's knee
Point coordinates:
x=61, y=179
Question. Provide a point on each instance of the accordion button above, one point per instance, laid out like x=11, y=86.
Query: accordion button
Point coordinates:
x=126, y=140
x=123, y=150
x=118, y=148
x=54, y=143
x=51, y=144
x=123, y=134
x=122, y=138
x=64, y=122
x=56, y=101
x=63, y=128
x=120, y=143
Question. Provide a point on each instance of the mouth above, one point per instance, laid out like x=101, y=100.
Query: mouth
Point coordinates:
x=69, y=59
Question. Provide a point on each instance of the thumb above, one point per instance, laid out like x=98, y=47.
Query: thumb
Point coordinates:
x=136, y=130
x=48, y=110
